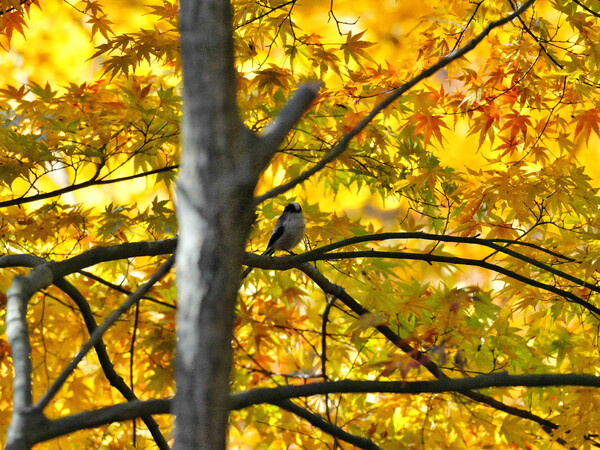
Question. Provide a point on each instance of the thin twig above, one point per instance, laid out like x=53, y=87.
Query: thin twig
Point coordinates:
x=84, y=184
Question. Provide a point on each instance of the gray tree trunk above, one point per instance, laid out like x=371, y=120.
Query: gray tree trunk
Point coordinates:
x=220, y=165
x=214, y=194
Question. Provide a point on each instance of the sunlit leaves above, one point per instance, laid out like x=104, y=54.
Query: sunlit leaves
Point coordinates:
x=100, y=24
x=493, y=148
x=516, y=102
x=126, y=52
x=355, y=47
x=429, y=126
x=13, y=18
x=65, y=146
x=91, y=129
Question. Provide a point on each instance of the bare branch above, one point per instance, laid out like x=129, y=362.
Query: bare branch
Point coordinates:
x=19, y=293
x=327, y=427
x=74, y=187
x=260, y=16
x=20, y=341
x=594, y=13
x=320, y=254
x=122, y=290
x=98, y=332
x=343, y=143
x=20, y=261
x=455, y=260
x=91, y=257
x=104, y=416
x=291, y=113
x=465, y=26
x=537, y=39
x=275, y=394
x=490, y=243
x=338, y=292
x=105, y=363
x=23, y=287
x=112, y=253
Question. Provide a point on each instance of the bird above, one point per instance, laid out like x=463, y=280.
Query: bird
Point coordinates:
x=288, y=232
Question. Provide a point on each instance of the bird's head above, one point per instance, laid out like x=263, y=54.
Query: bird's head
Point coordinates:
x=293, y=207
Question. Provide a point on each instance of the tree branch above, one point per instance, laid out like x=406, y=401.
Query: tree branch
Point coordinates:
x=461, y=240
x=343, y=143
x=91, y=257
x=404, y=235
x=44, y=273
x=455, y=260
x=288, y=262
x=594, y=13
x=19, y=293
x=104, y=416
x=112, y=376
x=538, y=40
x=291, y=113
x=111, y=253
x=122, y=290
x=260, y=16
x=338, y=292
x=96, y=335
x=272, y=395
x=14, y=8
x=20, y=261
x=92, y=182
x=107, y=367
x=333, y=430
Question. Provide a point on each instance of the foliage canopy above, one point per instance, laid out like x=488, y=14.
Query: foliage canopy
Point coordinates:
x=451, y=233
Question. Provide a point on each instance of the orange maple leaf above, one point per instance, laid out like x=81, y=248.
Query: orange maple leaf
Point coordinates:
x=587, y=122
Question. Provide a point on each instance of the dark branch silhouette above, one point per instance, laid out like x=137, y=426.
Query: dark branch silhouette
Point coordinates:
x=327, y=427
x=96, y=335
x=592, y=12
x=25, y=417
x=275, y=394
x=324, y=254
x=111, y=375
x=115, y=413
x=94, y=181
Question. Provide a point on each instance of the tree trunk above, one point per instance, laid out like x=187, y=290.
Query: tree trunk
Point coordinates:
x=214, y=193
x=220, y=165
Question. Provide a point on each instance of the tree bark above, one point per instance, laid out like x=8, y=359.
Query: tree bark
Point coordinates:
x=214, y=193
x=220, y=165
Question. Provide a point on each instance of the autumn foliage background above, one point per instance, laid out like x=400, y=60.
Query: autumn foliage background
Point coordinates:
x=500, y=146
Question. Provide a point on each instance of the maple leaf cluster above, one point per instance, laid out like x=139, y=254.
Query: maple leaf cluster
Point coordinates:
x=467, y=211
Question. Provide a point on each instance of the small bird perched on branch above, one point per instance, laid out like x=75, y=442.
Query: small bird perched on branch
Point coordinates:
x=288, y=232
